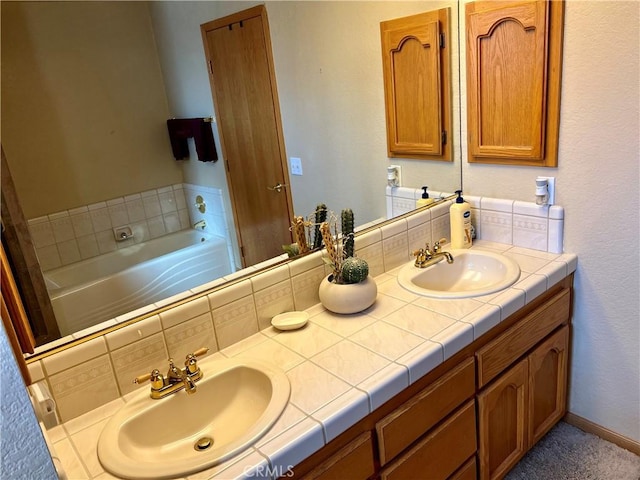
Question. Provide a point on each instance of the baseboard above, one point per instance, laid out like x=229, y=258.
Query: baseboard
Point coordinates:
x=602, y=432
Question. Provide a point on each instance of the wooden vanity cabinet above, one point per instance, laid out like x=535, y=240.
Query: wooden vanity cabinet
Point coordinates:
x=355, y=460
x=442, y=452
x=406, y=424
x=467, y=472
x=474, y=416
x=514, y=62
x=521, y=403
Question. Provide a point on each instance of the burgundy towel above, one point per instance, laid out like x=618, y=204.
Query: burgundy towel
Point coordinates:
x=180, y=129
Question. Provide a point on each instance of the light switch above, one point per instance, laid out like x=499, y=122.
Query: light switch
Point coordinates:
x=295, y=165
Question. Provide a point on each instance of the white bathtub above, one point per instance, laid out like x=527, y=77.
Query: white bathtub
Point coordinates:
x=89, y=292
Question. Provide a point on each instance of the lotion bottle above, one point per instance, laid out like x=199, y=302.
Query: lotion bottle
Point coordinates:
x=460, y=218
x=425, y=200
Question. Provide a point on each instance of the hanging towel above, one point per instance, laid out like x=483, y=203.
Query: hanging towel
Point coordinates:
x=180, y=129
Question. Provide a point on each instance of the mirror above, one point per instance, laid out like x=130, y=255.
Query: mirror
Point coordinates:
x=70, y=142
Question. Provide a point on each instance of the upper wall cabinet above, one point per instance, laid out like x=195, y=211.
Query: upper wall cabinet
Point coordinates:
x=514, y=63
x=416, y=67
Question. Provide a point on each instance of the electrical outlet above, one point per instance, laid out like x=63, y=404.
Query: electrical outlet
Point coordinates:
x=295, y=165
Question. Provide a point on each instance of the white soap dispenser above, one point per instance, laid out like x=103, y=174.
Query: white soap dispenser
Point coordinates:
x=460, y=219
x=425, y=200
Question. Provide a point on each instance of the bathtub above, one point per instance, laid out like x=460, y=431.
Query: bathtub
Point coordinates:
x=100, y=288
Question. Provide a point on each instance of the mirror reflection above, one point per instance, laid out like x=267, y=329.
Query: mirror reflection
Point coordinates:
x=87, y=88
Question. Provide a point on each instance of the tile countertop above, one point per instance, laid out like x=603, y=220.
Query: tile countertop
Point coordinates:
x=340, y=367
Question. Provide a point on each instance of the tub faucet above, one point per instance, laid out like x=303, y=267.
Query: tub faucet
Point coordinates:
x=176, y=379
x=426, y=257
x=200, y=224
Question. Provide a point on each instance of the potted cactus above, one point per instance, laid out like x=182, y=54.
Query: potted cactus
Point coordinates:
x=348, y=289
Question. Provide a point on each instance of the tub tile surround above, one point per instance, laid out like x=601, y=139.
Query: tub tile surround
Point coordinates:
x=315, y=355
x=66, y=237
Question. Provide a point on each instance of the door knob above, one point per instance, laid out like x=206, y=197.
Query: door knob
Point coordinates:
x=278, y=187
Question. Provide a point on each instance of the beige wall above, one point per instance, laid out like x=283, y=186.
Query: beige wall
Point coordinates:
x=83, y=103
x=329, y=73
x=597, y=182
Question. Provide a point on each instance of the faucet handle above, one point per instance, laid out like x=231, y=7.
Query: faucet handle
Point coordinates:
x=156, y=378
x=191, y=362
x=438, y=245
x=200, y=352
x=142, y=378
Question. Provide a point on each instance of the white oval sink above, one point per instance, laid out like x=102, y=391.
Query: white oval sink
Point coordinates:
x=472, y=273
x=236, y=402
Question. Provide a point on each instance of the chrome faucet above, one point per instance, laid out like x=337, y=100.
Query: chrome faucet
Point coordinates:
x=176, y=379
x=426, y=257
x=201, y=224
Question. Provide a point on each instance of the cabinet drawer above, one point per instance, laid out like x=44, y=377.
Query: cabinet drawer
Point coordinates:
x=354, y=461
x=440, y=453
x=497, y=355
x=469, y=471
x=409, y=422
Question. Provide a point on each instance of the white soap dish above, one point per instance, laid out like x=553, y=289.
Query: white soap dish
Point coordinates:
x=290, y=320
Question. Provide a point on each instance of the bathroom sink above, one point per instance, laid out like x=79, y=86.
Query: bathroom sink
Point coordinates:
x=472, y=273
x=236, y=402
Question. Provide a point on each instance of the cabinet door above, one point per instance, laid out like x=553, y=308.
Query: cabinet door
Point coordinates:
x=513, y=78
x=416, y=83
x=502, y=408
x=548, y=384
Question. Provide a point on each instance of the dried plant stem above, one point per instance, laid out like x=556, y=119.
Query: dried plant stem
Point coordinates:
x=332, y=252
x=299, y=234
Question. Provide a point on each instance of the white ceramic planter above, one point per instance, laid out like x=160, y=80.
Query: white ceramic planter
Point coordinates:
x=348, y=298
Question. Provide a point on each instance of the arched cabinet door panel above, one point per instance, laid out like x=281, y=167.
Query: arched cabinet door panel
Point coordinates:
x=513, y=81
x=416, y=70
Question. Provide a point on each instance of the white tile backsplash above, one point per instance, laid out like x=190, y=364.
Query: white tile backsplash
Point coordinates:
x=75, y=356
x=496, y=226
x=235, y=321
x=138, y=358
x=133, y=333
x=227, y=316
x=84, y=387
x=190, y=336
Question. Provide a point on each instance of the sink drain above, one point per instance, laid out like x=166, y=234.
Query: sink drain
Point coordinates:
x=203, y=444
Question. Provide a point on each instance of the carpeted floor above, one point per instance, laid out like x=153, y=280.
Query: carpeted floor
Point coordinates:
x=568, y=453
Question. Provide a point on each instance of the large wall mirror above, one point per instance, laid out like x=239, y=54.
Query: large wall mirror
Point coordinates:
x=87, y=88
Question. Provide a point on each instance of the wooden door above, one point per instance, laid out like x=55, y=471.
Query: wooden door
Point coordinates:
x=548, y=384
x=502, y=412
x=238, y=50
x=416, y=74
